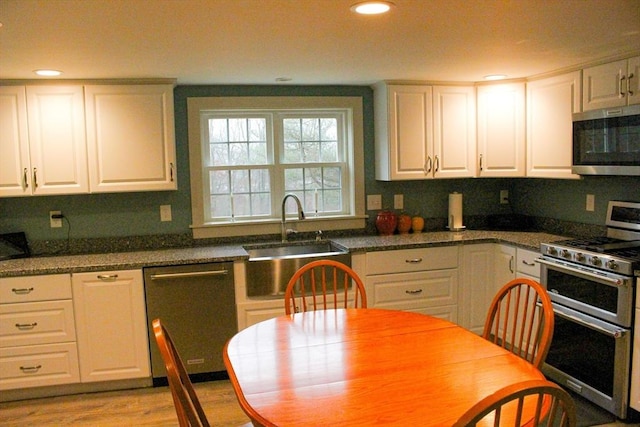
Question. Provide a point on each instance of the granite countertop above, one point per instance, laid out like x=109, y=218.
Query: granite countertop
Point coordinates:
x=205, y=254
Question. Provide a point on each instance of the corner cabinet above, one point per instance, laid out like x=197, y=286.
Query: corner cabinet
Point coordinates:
x=130, y=138
x=551, y=103
x=111, y=325
x=501, y=130
x=424, y=132
x=42, y=141
x=615, y=84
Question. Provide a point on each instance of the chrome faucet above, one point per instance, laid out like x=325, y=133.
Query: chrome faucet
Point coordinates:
x=300, y=214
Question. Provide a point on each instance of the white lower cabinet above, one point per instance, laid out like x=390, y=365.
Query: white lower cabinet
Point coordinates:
x=255, y=311
x=423, y=280
x=478, y=285
x=526, y=265
x=111, y=325
x=37, y=332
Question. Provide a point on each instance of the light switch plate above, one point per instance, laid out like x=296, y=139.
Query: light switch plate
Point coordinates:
x=591, y=202
x=165, y=213
x=374, y=202
x=504, y=197
x=398, y=201
x=55, y=222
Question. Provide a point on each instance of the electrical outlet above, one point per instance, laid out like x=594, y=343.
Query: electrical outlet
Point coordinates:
x=398, y=201
x=165, y=213
x=57, y=221
x=591, y=202
x=374, y=202
x=504, y=197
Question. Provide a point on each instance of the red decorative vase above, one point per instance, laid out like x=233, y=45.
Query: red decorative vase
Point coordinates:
x=386, y=222
x=404, y=223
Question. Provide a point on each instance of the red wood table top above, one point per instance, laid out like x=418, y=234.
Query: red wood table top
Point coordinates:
x=360, y=367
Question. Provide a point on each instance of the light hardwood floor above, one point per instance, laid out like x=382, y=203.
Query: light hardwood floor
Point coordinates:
x=139, y=407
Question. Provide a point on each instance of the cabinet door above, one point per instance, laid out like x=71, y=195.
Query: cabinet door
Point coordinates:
x=478, y=285
x=454, y=131
x=634, y=399
x=57, y=140
x=111, y=325
x=15, y=165
x=403, y=132
x=604, y=86
x=526, y=264
x=633, y=81
x=130, y=137
x=505, y=266
x=501, y=142
x=550, y=105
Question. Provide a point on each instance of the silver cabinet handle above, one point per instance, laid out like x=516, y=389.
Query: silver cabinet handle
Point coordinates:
x=35, y=177
x=480, y=162
x=437, y=164
x=26, y=326
x=629, y=91
x=188, y=274
x=171, y=171
x=427, y=165
x=511, y=264
x=22, y=291
x=25, y=178
x=413, y=261
x=621, y=91
x=108, y=277
x=30, y=369
x=413, y=292
x=530, y=264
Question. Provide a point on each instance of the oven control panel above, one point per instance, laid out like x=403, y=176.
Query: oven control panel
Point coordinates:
x=598, y=261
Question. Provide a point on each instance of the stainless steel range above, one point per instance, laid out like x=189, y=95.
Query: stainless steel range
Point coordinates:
x=591, y=284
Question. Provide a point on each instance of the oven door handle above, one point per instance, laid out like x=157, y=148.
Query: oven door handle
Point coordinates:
x=617, y=281
x=612, y=332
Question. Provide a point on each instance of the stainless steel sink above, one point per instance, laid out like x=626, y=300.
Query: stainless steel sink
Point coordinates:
x=271, y=266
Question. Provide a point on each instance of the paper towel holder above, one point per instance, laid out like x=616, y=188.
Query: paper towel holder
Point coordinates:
x=461, y=228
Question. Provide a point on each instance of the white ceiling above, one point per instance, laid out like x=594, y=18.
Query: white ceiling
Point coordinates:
x=310, y=41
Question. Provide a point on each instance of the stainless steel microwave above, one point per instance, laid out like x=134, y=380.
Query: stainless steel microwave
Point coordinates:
x=607, y=142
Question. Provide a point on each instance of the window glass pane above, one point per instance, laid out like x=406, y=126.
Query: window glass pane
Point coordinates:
x=260, y=180
x=239, y=153
x=219, y=182
x=293, y=179
x=258, y=153
x=218, y=130
x=332, y=200
x=220, y=206
x=241, y=205
x=291, y=128
x=310, y=152
x=292, y=152
x=257, y=130
x=260, y=204
x=312, y=178
x=331, y=177
x=310, y=130
x=239, y=181
x=328, y=130
x=219, y=154
x=237, y=130
x=329, y=152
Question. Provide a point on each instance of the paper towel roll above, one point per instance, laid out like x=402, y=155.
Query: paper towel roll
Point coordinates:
x=455, y=211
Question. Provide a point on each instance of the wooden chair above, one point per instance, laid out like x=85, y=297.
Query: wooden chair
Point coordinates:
x=520, y=319
x=553, y=407
x=188, y=407
x=325, y=282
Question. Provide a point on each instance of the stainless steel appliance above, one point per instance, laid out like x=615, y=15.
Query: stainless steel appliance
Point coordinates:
x=591, y=285
x=197, y=305
x=607, y=142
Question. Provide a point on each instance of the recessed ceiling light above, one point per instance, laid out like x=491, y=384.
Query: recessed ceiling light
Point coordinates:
x=495, y=77
x=372, y=7
x=48, y=73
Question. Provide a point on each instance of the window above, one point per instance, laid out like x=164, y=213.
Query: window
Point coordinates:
x=246, y=154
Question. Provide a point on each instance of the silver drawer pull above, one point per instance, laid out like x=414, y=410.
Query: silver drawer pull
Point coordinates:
x=188, y=274
x=413, y=261
x=26, y=326
x=530, y=264
x=30, y=369
x=22, y=291
x=108, y=277
x=413, y=292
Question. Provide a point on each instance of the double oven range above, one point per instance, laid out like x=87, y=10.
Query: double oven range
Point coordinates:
x=592, y=284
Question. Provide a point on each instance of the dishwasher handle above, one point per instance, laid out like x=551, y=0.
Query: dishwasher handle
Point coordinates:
x=188, y=274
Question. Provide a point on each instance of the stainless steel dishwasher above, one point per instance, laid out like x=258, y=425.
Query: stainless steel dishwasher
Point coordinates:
x=196, y=303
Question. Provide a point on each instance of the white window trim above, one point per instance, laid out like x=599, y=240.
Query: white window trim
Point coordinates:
x=202, y=230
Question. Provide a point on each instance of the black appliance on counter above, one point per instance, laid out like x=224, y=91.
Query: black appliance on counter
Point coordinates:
x=592, y=286
x=13, y=245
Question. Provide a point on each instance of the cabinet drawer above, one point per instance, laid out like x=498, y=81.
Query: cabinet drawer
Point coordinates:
x=525, y=261
x=428, y=289
x=407, y=260
x=35, y=288
x=36, y=323
x=39, y=365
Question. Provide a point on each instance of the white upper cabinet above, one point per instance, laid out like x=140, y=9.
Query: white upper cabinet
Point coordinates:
x=424, y=132
x=454, y=113
x=48, y=155
x=551, y=103
x=501, y=130
x=130, y=136
x=615, y=84
x=404, y=134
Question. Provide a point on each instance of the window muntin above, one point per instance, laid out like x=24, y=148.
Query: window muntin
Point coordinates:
x=253, y=159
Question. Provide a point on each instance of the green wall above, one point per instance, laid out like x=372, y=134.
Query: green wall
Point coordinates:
x=135, y=214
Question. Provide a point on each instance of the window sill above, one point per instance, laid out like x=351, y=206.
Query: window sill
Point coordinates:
x=237, y=229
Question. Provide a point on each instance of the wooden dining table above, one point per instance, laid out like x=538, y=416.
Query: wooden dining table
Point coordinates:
x=361, y=367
